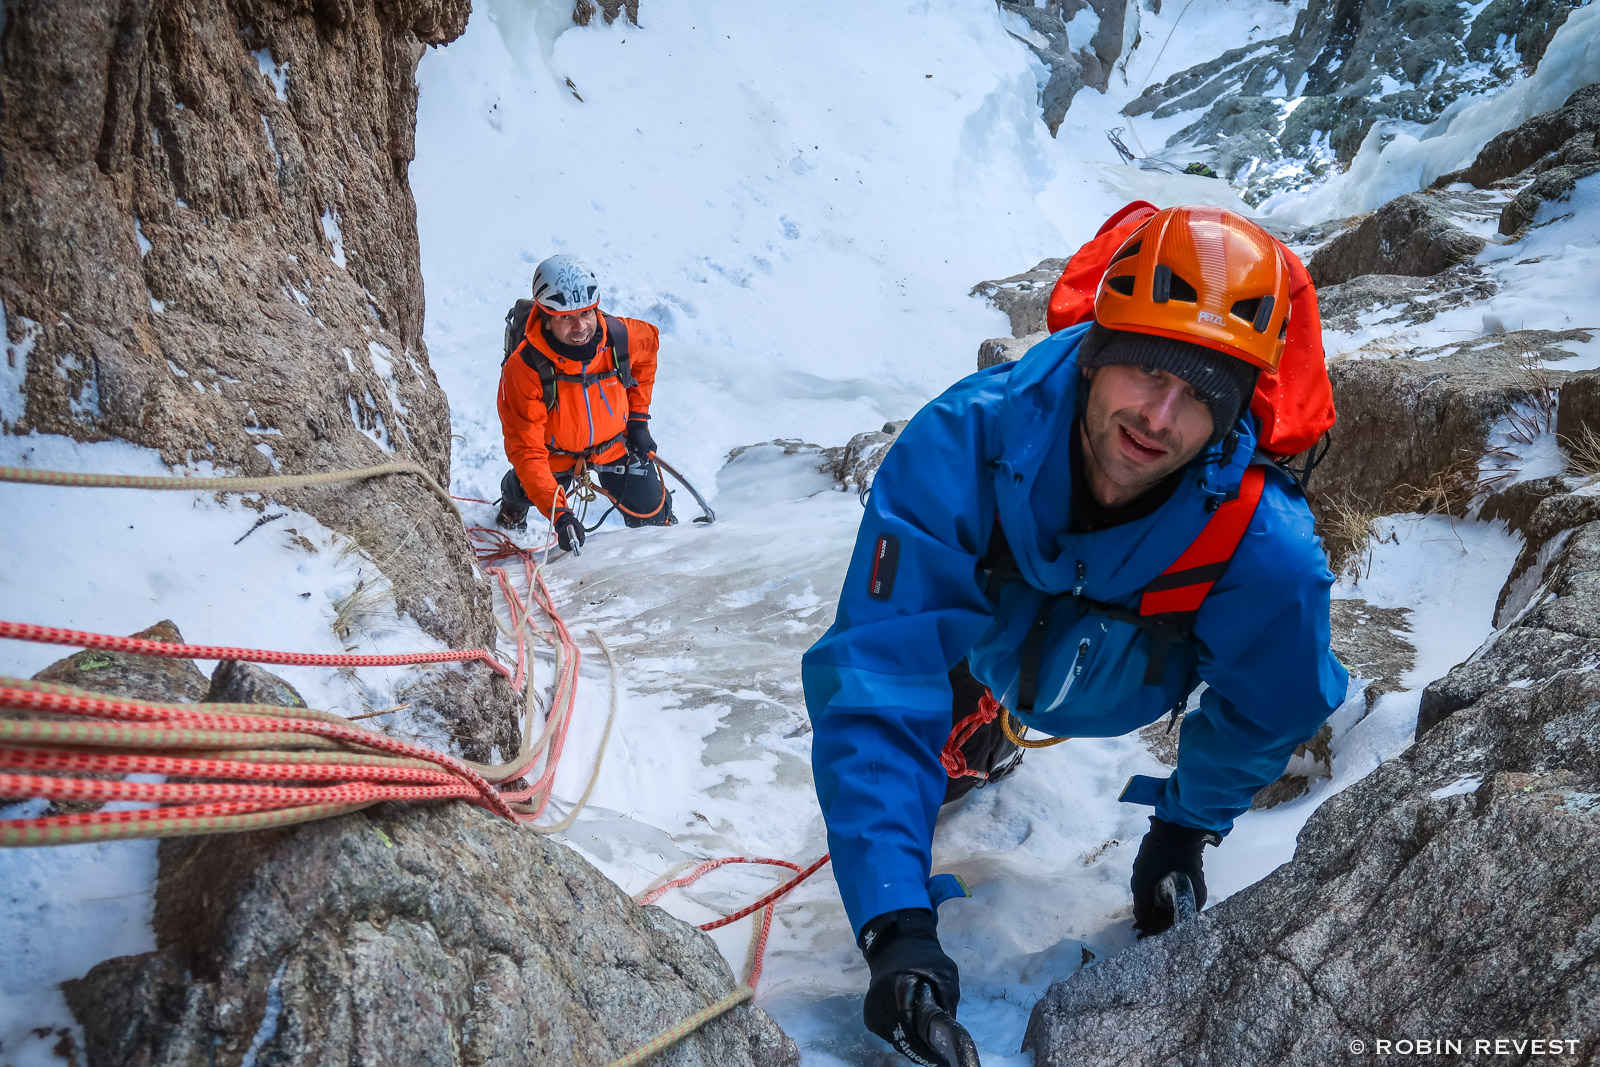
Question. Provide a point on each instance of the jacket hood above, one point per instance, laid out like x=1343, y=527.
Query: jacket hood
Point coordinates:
x=1033, y=485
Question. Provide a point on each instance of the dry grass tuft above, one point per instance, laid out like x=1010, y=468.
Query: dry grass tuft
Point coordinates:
x=1583, y=451
x=365, y=601
x=1449, y=492
x=1348, y=530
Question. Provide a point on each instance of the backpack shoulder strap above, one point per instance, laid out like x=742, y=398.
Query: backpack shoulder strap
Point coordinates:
x=1168, y=604
x=516, y=327
x=617, y=333
x=1174, y=596
x=517, y=341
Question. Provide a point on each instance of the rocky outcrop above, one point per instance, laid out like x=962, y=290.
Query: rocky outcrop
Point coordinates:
x=1400, y=300
x=1553, y=138
x=402, y=934
x=1074, y=58
x=209, y=248
x=1448, y=399
x=1347, y=64
x=1554, y=184
x=1445, y=895
x=123, y=674
x=1409, y=235
x=1024, y=297
x=362, y=940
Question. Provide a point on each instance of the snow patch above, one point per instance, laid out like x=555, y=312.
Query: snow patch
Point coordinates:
x=269, y=1016
x=14, y=370
x=276, y=73
x=335, y=236
x=138, y=234
x=1467, y=783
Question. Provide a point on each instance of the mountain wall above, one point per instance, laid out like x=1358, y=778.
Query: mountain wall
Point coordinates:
x=209, y=248
x=1280, y=114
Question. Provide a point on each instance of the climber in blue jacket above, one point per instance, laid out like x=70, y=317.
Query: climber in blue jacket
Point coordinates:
x=1027, y=527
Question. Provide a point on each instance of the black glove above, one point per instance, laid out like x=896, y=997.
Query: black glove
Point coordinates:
x=1168, y=847
x=569, y=531
x=640, y=443
x=902, y=950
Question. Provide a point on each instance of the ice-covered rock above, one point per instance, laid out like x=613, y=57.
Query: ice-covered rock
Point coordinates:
x=1280, y=114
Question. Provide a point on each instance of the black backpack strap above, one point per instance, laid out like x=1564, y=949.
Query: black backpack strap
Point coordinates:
x=1001, y=566
x=617, y=333
x=516, y=327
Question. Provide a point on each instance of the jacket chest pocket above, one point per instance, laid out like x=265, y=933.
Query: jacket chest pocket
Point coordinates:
x=1095, y=665
x=610, y=400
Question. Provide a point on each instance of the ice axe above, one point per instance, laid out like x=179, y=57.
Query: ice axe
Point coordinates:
x=1177, y=892
x=940, y=1030
x=709, y=516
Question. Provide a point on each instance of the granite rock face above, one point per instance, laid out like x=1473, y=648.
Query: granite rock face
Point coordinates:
x=1348, y=64
x=1409, y=235
x=208, y=247
x=407, y=935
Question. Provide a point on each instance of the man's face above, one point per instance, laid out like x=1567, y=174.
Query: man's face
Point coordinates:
x=1140, y=426
x=574, y=329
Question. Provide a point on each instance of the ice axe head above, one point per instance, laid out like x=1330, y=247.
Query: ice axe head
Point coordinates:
x=1176, y=891
x=940, y=1030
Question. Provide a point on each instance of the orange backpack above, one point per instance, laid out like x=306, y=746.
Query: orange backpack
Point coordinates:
x=1295, y=406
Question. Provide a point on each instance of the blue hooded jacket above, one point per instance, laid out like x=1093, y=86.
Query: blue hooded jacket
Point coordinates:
x=876, y=684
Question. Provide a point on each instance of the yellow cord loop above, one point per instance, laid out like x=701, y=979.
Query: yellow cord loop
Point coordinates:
x=1016, y=737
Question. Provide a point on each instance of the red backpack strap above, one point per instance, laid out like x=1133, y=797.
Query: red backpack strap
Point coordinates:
x=1177, y=592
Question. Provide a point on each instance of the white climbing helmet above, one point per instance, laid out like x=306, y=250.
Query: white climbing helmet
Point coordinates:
x=564, y=285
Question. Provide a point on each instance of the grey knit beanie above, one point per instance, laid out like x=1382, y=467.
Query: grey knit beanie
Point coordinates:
x=1223, y=382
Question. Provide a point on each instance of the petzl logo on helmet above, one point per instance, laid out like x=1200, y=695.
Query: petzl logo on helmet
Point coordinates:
x=885, y=562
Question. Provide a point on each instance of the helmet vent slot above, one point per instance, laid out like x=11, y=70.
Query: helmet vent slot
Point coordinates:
x=1122, y=284
x=1257, y=311
x=1168, y=286
x=1128, y=250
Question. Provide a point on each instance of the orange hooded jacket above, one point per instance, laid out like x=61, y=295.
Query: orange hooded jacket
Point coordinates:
x=590, y=417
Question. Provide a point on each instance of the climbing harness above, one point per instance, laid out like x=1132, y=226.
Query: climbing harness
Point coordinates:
x=1168, y=607
x=586, y=491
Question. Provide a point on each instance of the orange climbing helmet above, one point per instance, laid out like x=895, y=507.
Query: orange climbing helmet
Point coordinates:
x=1205, y=275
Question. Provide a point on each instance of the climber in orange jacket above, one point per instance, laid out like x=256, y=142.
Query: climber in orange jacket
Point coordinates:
x=575, y=389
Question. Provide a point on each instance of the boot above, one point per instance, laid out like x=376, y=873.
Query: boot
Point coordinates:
x=511, y=517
